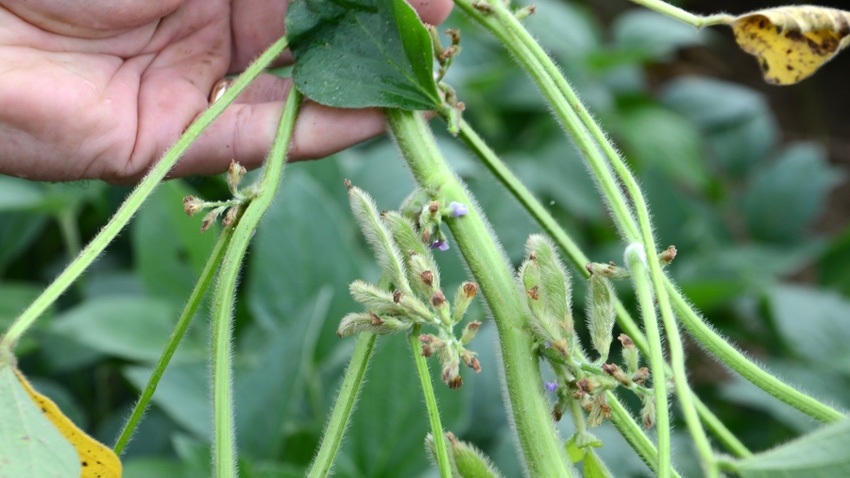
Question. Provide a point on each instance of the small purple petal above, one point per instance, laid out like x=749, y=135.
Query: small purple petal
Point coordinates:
x=458, y=209
x=442, y=245
x=547, y=344
x=551, y=386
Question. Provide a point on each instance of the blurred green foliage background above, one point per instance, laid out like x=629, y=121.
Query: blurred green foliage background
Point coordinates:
x=738, y=199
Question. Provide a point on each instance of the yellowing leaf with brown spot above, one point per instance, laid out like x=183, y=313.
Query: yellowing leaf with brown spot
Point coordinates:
x=97, y=460
x=791, y=43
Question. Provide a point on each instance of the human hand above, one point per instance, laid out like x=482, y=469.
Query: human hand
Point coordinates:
x=102, y=89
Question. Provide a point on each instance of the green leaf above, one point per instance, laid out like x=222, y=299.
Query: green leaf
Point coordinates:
x=148, y=466
x=19, y=194
x=739, y=125
x=812, y=322
x=133, y=328
x=388, y=440
x=361, y=53
x=169, y=249
x=822, y=453
x=594, y=467
x=655, y=136
x=834, y=266
x=272, y=380
x=183, y=394
x=29, y=444
x=575, y=453
x=653, y=35
x=786, y=197
x=18, y=231
x=304, y=243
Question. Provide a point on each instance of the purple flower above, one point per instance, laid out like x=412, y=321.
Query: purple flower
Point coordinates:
x=551, y=386
x=458, y=209
x=442, y=245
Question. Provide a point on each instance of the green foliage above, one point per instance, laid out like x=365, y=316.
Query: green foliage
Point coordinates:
x=30, y=444
x=819, y=454
x=336, y=67
x=725, y=188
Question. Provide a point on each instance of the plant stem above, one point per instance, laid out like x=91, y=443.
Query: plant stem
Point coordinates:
x=538, y=439
x=635, y=258
x=633, y=433
x=176, y=336
x=440, y=450
x=720, y=431
x=224, y=439
x=730, y=356
x=135, y=199
x=571, y=249
x=684, y=16
x=344, y=405
x=565, y=104
x=585, y=131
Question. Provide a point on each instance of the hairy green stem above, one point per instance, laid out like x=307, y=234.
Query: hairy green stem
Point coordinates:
x=223, y=300
x=538, y=439
x=574, y=253
x=635, y=260
x=565, y=104
x=585, y=131
x=683, y=15
x=440, y=450
x=344, y=405
x=633, y=433
x=731, y=357
x=176, y=336
x=135, y=199
x=720, y=431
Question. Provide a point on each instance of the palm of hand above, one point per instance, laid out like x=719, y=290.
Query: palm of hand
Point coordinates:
x=102, y=93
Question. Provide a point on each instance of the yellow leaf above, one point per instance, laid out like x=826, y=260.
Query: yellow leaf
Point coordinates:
x=98, y=461
x=791, y=43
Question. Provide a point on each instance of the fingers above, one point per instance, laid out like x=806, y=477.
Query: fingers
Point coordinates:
x=246, y=130
x=432, y=12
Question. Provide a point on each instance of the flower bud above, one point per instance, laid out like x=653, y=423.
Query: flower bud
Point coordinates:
x=230, y=216
x=424, y=277
x=470, y=360
x=234, y=176
x=469, y=332
x=615, y=371
x=463, y=297
x=599, y=410
x=457, y=209
x=191, y=205
x=438, y=299
x=631, y=355
x=450, y=361
x=641, y=376
x=440, y=244
x=210, y=219
x=430, y=344
x=667, y=256
x=647, y=413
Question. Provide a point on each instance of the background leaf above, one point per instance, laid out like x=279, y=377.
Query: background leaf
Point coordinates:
x=170, y=268
x=29, y=444
x=818, y=454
